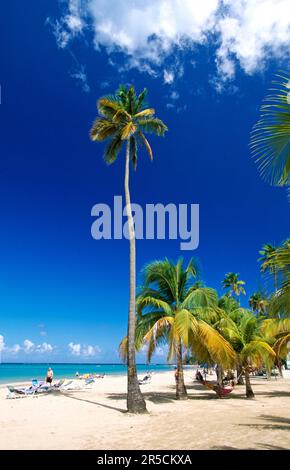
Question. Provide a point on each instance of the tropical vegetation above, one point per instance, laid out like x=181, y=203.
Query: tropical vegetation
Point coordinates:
x=270, y=139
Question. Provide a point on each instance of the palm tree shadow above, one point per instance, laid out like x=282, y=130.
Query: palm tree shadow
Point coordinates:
x=279, y=393
x=278, y=423
x=163, y=397
x=96, y=403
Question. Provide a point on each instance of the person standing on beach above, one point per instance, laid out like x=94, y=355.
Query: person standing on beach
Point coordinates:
x=49, y=376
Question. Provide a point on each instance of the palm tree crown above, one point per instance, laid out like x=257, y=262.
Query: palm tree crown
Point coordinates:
x=258, y=303
x=266, y=253
x=234, y=284
x=270, y=140
x=124, y=117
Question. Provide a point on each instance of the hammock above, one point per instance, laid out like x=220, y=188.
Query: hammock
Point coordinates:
x=218, y=389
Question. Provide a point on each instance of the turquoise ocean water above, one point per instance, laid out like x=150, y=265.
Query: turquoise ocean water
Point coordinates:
x=10, y=373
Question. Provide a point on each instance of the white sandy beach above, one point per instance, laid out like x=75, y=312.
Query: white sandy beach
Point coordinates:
x=96, y=418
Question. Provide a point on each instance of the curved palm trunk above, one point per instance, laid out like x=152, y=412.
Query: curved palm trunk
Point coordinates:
x=219, y=375
x=240, y=380
x=279, y=366
x=249, y=390
x=135, y=400
x=181, y=393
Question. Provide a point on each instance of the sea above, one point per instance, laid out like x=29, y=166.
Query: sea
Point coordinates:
x=18, y=372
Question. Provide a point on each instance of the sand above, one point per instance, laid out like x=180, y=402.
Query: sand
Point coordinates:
x=96, y=418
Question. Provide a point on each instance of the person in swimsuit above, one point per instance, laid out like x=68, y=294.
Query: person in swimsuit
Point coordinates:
x=49, y=376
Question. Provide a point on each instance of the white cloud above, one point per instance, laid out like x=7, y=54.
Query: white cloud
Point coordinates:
x=174, y=95
x=76, y=349
x=244, y=32
x=15, y=349
x=90, y=350
x=43, y=333
x=70, y=25
x=28, y=345
x=81, y=76
x=2, y=344
x=44, y=348
x=168, y=77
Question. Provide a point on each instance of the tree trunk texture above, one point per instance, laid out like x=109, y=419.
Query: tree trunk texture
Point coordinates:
x=135, y=400
x=181, y=393
x=219, y=375
x=240, y=379
x=249, y=390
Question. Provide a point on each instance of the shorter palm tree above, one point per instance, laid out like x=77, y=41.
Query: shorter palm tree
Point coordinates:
x=250, y=345
x=234, y=284
x=173, y=309
x=259, y=304
x=266, y=259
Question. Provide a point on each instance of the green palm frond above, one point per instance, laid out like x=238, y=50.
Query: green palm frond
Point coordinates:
x=270, y=139
x=152, y=126
x=108, y=106
x=123, y=350
x=156, y=303
x=140, y=100
x=219, y=349
x=102, y=129
x=201, y=297
x=184, y=324
x=145, y=113
x=112, y=150
x=257, y=352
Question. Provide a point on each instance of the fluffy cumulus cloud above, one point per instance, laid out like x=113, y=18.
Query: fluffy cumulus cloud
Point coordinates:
x=244, y=32
x=30, y=347
x=77, y=349
x=27, y=347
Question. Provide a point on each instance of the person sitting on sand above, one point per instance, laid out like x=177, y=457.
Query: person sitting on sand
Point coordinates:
x=49, y=376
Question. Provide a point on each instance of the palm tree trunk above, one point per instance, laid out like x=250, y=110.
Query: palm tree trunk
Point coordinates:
x=240, y=380
x=181, y=393
x=276, y=285
x=249, y=390
x=219, y=375
x=135, y=400
x=279, y=366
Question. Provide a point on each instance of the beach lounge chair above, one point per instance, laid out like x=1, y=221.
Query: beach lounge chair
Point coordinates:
x=14, y=392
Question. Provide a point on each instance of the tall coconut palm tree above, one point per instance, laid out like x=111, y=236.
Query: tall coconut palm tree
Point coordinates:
x=250, y=344
x=270, y=139
x=172, y=308
x=234, y=284
x=123, y=120
x=266, y=260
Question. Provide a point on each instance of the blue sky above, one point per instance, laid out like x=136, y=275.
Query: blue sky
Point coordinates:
x=63, y=295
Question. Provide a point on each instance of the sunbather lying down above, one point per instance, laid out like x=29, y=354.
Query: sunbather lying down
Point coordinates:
x=146, y=379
